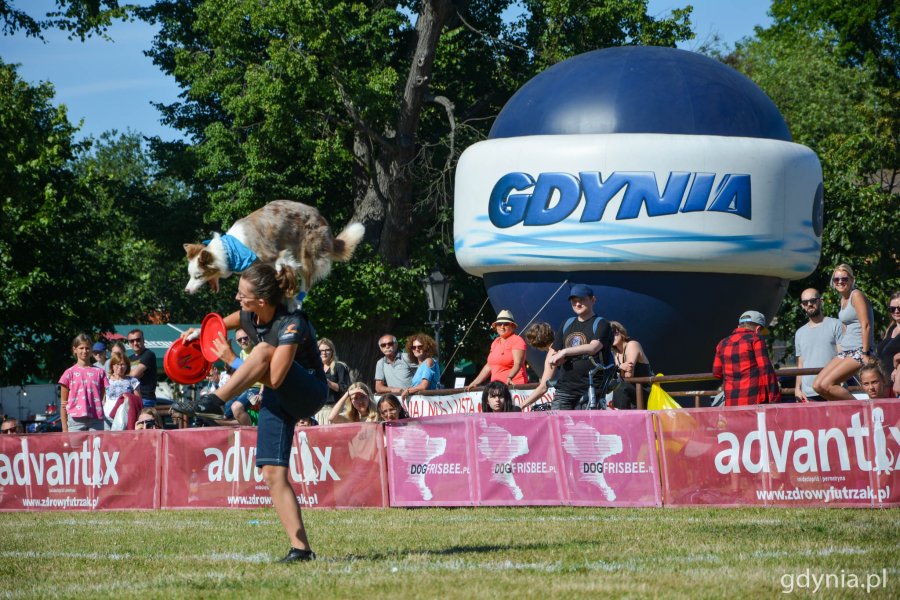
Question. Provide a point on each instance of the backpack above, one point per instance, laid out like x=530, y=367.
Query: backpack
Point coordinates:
x=609, y=378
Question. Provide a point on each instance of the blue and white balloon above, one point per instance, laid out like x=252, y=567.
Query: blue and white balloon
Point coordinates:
x=665, y=180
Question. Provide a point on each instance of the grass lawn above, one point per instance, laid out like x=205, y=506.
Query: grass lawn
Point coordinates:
x=451, y=553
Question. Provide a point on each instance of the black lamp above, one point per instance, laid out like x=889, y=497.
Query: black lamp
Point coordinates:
x=437, y=288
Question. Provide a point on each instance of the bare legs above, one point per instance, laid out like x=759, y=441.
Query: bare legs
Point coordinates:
x=240, y=414
x=828, y=382
x=285, y=502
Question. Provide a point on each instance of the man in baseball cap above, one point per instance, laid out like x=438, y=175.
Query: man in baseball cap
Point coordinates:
x=578, y=339
x=742, y=363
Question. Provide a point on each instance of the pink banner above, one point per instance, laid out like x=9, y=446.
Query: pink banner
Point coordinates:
x=80, y=471
x=583, y=458
x=517, y=460
x=835, y=454
x=608, y=458
x=430, y=462
x=338, y=466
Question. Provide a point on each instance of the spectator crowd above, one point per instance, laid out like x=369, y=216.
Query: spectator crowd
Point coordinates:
x=588, y=361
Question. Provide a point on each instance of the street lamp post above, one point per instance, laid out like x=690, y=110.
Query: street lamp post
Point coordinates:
x=437, y=288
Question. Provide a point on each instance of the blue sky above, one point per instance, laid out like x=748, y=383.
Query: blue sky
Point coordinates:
x=110, y=84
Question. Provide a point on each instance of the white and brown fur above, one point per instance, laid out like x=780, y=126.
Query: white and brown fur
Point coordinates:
x=280, y=233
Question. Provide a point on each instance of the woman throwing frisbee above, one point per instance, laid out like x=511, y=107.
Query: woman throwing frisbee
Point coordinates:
x=286, y=360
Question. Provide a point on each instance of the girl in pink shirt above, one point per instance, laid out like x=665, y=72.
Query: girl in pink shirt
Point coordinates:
x=82, y=390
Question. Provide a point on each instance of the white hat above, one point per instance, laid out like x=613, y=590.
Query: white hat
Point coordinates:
x=505, y=316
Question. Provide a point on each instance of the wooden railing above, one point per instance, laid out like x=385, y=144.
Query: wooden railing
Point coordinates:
x=663, y=379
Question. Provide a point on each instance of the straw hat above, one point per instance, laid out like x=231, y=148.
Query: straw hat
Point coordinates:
x=505, y=316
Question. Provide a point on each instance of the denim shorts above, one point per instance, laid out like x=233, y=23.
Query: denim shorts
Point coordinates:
x=301, y=394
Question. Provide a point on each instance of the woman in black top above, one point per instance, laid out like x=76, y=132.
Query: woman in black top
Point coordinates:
x=286, y=360
x=632, y=362
x=890, y=345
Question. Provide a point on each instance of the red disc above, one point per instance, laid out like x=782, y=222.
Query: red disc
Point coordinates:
x=184, y=362
x=213, y=324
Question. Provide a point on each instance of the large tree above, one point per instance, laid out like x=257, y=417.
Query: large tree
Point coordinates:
x=60, y=241
x=837, y=102
x=362, y=110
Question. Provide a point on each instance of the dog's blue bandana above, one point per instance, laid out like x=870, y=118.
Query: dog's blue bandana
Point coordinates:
x=237, y=255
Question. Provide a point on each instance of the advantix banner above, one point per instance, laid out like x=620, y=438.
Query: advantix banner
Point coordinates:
x=842, y=454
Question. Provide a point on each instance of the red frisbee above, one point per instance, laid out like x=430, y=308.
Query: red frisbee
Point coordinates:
x=184, y=362
x=213, y=324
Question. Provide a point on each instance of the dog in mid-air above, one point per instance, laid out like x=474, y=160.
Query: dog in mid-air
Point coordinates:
x=280, y=233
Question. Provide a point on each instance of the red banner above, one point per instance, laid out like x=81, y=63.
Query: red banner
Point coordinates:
x=834, y=454
x=338, y=466
x=80, y=471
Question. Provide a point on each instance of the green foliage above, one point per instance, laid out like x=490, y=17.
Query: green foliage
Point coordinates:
x=336, y=105
x=81, y=18
x=54, y=247
x=839, y=109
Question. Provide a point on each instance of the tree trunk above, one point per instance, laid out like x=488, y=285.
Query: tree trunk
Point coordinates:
x=384, y=183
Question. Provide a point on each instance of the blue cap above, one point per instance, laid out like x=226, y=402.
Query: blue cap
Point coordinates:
x=99, y=347
x=581, y=291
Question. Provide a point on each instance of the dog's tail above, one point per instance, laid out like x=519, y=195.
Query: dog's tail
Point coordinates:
x=344, y=244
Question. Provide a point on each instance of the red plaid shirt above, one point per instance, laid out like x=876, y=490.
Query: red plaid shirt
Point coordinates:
x=742, y=361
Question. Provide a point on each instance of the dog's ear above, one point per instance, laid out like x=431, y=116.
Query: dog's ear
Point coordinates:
x=193, y=250
x=206, y=258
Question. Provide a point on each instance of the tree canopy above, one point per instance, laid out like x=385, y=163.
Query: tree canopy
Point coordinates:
x=833, y=91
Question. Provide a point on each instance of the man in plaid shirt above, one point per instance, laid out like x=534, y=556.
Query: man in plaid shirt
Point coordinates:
x=742, y=361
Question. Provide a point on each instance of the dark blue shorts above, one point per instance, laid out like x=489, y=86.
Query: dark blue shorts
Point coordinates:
x=300, y=395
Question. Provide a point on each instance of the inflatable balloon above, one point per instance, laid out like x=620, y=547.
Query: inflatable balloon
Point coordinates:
x=665, y=180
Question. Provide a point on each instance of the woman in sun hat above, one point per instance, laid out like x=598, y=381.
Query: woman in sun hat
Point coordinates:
x=506, y=361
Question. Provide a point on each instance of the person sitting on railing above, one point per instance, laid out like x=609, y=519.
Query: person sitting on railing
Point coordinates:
x=742, y=363
x=858, y=341
x=632, y=362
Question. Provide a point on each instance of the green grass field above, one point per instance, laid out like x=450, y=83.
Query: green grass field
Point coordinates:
x=451, y=553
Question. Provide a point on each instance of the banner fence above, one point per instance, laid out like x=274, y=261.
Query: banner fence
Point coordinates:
x=841, y=454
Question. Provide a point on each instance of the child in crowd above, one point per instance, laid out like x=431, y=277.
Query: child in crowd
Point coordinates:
x=873, y=381
x=120, y=383
x=82, y=390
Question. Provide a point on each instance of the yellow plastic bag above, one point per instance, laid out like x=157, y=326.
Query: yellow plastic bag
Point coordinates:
x=659, y=399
